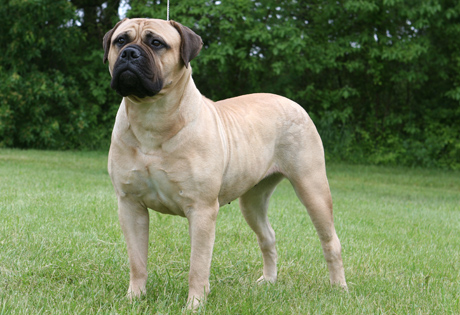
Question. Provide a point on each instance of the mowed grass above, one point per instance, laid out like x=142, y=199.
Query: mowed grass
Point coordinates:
x=62, y=250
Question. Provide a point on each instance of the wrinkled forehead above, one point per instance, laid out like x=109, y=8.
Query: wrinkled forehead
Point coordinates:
x=140, y=28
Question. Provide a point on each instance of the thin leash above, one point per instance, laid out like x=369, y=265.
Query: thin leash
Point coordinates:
x=167, y=12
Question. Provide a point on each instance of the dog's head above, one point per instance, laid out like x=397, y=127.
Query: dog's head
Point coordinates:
x=146, y=54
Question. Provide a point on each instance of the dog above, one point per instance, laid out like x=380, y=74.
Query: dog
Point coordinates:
x=176, y=152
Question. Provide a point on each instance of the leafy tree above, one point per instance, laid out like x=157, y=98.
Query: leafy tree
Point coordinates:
x=373, y=74
x=98, y=16
x=52, y=92
x=380, y=78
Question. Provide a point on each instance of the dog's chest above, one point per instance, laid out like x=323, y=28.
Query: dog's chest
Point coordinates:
x=144, y=179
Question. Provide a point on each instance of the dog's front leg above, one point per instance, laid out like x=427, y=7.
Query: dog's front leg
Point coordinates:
x=134, y=221
x=202, y=226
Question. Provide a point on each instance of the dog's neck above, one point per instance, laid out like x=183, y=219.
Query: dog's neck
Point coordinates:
x=152, y=121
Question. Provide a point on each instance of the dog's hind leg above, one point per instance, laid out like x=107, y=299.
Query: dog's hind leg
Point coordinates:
x=312, y=188
x=254, y=206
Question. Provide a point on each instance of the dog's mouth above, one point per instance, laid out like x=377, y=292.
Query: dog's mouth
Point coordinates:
x=128, y=83
x=136, y=78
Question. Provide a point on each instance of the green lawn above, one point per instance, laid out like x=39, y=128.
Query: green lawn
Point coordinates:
x=62, y=250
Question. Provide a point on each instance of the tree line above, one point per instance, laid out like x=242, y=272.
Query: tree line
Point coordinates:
x=380, y=78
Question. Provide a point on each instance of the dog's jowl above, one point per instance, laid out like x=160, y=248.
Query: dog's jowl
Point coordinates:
x=176, y=152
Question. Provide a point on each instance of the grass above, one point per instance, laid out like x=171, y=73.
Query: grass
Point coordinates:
x=62, y=251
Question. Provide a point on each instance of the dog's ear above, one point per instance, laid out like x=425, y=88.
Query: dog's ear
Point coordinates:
x=107, y=38
x=191, y=43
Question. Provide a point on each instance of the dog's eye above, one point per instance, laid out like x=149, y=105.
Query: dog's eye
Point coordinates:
x=121, y=41
x=156, y=43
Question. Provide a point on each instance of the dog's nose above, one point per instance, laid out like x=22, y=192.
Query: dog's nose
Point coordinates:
x=130, y=53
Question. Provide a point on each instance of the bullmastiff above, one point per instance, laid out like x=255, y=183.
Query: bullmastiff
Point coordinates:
x=176, y=152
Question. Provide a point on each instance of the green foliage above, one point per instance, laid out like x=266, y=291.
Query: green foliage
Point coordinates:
x=380, y=78
x=53, y=94
x=373, y=74
x=31, y=110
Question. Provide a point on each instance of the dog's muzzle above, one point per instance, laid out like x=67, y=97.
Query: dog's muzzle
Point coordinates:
x=135, y=73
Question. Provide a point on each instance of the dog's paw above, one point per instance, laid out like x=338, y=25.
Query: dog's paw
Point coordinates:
x=340, y=284
x=194, y=304
x=133, y=295
x=343, y=287
x=264, y=280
